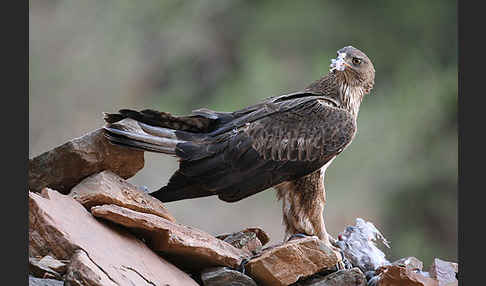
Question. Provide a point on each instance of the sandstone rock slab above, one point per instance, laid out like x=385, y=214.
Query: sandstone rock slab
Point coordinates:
x=393, y=275
x=224, y=276
x=39, y=267
x=286, y=263
x=66, y=165
x=185, y=246
x=59, y=226
x=444, y=272
x=83, y=271
x=108, y=188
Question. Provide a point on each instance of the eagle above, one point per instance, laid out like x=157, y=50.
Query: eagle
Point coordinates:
x=285, y=142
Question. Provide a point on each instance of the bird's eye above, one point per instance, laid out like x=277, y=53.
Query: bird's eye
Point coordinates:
x=356, y=61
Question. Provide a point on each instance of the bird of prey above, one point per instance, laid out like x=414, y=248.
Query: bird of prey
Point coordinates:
x=285, y=142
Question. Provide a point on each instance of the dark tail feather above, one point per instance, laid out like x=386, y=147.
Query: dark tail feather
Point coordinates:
x=129, y=132
x=113, y=117
x=194, y=123
x=138, y=145
x=155, y=131
x=180, y=187
x=165, y=194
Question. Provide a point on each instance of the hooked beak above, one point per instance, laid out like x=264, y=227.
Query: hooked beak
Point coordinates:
x=339, y=63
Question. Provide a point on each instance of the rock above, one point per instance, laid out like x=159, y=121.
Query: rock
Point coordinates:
x=444, y=272
x=59, y=226
x=33, y=281
x=410, y=262
x=260, y=233
x=284, y=264
x=346, y=277
x=185, y=246
x=108, y=188
x=250, y=239
x=66, y=165
x=224, y=276
x=245, y=240
x=47, y=264
x=82, y=271
x=393, y=275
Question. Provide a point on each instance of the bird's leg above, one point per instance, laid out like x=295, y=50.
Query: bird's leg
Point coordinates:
x=303, y=202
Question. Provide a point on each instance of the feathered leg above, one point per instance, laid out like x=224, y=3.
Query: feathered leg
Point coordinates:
x=303, y=202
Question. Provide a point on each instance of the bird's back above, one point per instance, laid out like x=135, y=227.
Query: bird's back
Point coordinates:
x=234, y=155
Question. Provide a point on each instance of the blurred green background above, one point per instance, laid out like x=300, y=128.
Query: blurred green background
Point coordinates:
x=400, y=172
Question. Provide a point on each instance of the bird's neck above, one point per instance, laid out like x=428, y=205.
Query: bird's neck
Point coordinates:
x=350, y=97
x=334, y=85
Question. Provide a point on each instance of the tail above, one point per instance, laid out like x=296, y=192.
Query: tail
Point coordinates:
x=131, y=133
x=151, y=130
x=161, y=132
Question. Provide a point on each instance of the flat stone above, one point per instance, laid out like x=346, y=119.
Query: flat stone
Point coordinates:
x=224, y=276
x=393, y=275
x=444, y=272
x=82, y=271
x=185, y=246
x=410, y=262
x=108, y=188
x=59, y=226
x=40, y=267
x=260, y=234
x=345, y=277
x=286, y=263
x=247, y=239
x=33, y=281
x=66, y=165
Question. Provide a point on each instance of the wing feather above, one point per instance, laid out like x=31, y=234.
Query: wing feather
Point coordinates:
x=264, y=145
x=306, y=137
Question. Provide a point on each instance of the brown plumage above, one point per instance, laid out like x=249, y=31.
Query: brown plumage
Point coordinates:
x=286, y=142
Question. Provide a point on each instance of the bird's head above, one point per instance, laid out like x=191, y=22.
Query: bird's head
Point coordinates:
x=354, y=67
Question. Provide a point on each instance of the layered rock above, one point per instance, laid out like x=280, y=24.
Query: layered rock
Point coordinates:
x=59, y=226
x=47, y=266
x=83, y=271
x=284, y=264
x=392, y=275
x=187, y=247
x=108, y=188
x=66, y=165
x=444, y=272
